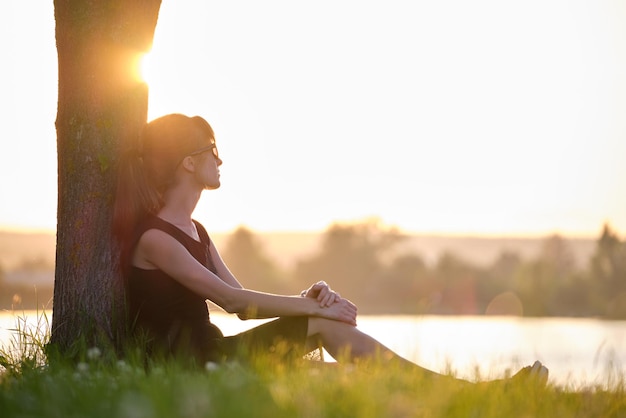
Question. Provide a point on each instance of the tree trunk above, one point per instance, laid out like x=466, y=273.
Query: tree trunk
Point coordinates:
x=102, y=107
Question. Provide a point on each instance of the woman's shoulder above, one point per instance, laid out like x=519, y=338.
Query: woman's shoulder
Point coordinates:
x=151, y=221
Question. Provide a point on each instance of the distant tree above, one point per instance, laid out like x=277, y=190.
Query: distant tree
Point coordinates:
x=542, y=279
x=39, y=263
x=608, y=272
x=557, y=254
x=499, y=277
x=457, y=280
x=504, y=269
x=101, y=108
x=352, y=259
x=3, y=289
x=406, y=285
x=246, y=258
x=608, y=263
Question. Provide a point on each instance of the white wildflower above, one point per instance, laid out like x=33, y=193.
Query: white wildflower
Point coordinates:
x=135, y=405
x=211, y=366
x=93, y=353
x=122, y=366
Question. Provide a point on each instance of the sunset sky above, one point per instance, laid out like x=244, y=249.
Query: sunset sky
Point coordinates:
x=470, y=117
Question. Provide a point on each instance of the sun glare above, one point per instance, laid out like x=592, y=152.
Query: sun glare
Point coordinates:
x=144, y=68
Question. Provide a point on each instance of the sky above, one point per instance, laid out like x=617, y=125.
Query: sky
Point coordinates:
x=484, y=117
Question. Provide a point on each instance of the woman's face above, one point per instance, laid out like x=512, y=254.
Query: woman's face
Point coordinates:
x=208, y=172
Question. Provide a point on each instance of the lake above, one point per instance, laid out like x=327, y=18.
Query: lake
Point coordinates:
x=579, y=352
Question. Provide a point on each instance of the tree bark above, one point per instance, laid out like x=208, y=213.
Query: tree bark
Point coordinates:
x=102, y=106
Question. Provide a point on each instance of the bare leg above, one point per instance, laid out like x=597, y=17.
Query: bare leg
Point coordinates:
x=345, y=342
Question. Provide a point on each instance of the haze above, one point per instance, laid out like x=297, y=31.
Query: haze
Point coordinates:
x=482, y=117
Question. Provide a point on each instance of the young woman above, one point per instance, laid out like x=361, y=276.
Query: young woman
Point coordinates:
x=172, y=267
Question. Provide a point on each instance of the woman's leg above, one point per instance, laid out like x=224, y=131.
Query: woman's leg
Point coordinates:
x=345, y=342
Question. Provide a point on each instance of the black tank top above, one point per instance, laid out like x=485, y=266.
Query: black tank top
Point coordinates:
x=172, y=318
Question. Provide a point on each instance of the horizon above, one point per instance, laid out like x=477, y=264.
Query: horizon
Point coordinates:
x=524, y=235
x=286, y=247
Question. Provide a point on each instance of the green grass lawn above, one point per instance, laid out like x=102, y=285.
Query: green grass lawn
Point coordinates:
x=101, y=386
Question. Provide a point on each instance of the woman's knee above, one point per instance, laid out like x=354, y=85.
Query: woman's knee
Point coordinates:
x=326, y=327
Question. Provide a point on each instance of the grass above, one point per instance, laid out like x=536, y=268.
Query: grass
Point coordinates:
x=26, y=349
x=99, y=386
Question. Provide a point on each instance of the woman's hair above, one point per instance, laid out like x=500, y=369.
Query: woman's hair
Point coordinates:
x=146, y=172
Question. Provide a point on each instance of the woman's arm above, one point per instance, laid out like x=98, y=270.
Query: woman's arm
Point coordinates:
x=160, y=250
x=222, y=270
x=319, y=291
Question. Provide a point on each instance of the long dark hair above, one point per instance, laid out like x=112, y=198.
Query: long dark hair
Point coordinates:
x=147, y=171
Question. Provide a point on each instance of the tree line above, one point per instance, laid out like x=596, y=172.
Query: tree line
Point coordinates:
x=365, y=263
x=22, y=294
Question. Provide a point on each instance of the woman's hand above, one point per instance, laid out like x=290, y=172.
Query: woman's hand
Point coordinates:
x=343, y=310
x=334, y=306
x=323, y=293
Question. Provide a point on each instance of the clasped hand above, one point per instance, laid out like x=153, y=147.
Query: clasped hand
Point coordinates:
x=323, y=293
x=338, y=308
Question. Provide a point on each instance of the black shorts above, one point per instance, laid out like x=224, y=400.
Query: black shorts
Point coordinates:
x=285, y=337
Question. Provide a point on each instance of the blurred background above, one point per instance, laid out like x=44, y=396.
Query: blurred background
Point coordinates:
x=422, y=157
x=455, y=168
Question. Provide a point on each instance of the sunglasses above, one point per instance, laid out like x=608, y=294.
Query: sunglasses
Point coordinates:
x=211, y=147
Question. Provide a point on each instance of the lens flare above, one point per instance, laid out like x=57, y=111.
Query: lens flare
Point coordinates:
x=144, y=69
